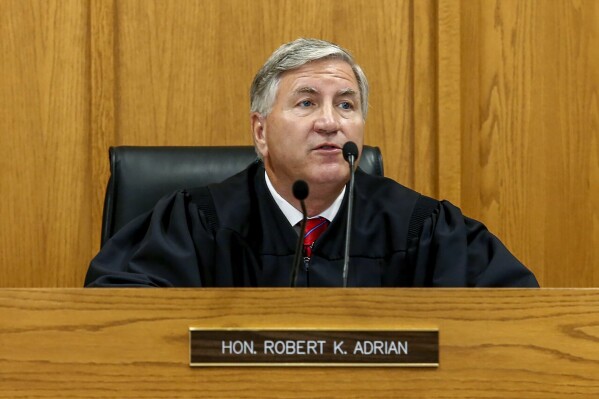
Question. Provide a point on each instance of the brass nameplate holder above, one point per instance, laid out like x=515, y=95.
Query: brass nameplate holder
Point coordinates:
x=363, y=348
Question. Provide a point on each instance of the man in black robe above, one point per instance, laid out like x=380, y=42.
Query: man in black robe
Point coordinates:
x=307, y=101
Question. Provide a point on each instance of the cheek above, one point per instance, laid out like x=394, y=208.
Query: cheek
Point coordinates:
x=282, y=136
x=356, y=130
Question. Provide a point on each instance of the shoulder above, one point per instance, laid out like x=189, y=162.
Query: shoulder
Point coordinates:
x=381, y=193
x=399, y=210
x=232, y=200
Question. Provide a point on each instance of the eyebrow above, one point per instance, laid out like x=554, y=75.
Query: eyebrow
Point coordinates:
x=347, y=92
x=312, y=90
x=305, y=89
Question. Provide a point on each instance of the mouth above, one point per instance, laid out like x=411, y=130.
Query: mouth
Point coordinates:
x=327, y=147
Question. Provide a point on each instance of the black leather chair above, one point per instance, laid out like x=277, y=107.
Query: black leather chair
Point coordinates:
x=140, y=176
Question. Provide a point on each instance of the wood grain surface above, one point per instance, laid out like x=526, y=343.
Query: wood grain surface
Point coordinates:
x=98, y=343
x=530, y=153
x=44, y=138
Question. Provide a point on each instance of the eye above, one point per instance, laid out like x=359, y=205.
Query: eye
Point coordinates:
x=305, y=103
x=346, y=105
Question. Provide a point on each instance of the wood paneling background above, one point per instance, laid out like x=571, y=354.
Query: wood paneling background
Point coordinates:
x=44, y=143
x=530, y=129
x=491, y=104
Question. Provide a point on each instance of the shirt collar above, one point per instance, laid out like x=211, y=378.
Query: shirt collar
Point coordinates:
x=293, y=215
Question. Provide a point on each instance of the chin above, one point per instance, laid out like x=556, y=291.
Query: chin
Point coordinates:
x=330, y=175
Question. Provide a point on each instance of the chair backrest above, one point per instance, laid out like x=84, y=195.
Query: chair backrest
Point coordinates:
x=140, y=176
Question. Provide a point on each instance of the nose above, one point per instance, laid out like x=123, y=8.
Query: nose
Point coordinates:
x=327, y=120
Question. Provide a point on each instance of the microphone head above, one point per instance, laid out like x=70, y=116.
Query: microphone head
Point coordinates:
x=350, y=149
x=300, y=190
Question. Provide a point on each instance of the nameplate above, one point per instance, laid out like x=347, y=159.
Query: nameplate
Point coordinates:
x=241, y=347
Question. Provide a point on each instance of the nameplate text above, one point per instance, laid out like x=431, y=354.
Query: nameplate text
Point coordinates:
x=240, y=347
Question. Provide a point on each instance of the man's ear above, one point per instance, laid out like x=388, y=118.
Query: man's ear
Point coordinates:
x=258, y=124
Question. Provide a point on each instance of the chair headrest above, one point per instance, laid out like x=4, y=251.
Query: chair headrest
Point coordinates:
x=140, y=176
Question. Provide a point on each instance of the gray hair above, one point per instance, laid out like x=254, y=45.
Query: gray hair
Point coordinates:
x=293, y=55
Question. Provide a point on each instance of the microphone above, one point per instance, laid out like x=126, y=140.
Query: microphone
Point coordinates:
x=300, y=192
x=350, y=153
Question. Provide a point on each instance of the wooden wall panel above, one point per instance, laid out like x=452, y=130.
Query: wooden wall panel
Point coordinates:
x=425, y=154
x=185, y=67
x=102, y=18
x=449, y=101
x=44, y=136
x=530, y=74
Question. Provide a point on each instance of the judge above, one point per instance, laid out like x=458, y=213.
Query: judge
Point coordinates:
x=307, y=101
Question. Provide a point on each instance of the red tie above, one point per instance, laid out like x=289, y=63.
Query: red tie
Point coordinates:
x=314, y=228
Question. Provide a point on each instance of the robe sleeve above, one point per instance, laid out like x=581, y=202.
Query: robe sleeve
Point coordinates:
x=456, y=251
x=156, y=249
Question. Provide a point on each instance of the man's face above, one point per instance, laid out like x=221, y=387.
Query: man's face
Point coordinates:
x=317, y=109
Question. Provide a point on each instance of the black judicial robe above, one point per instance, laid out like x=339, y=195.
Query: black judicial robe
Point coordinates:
x=253, y=245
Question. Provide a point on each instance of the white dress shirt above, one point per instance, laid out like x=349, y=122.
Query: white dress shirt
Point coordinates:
x=293, y=215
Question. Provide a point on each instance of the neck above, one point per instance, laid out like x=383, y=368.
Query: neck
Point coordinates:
x=321, y=196
x=320, y=199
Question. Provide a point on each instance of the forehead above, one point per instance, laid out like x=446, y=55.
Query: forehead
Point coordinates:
x=320, y=74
